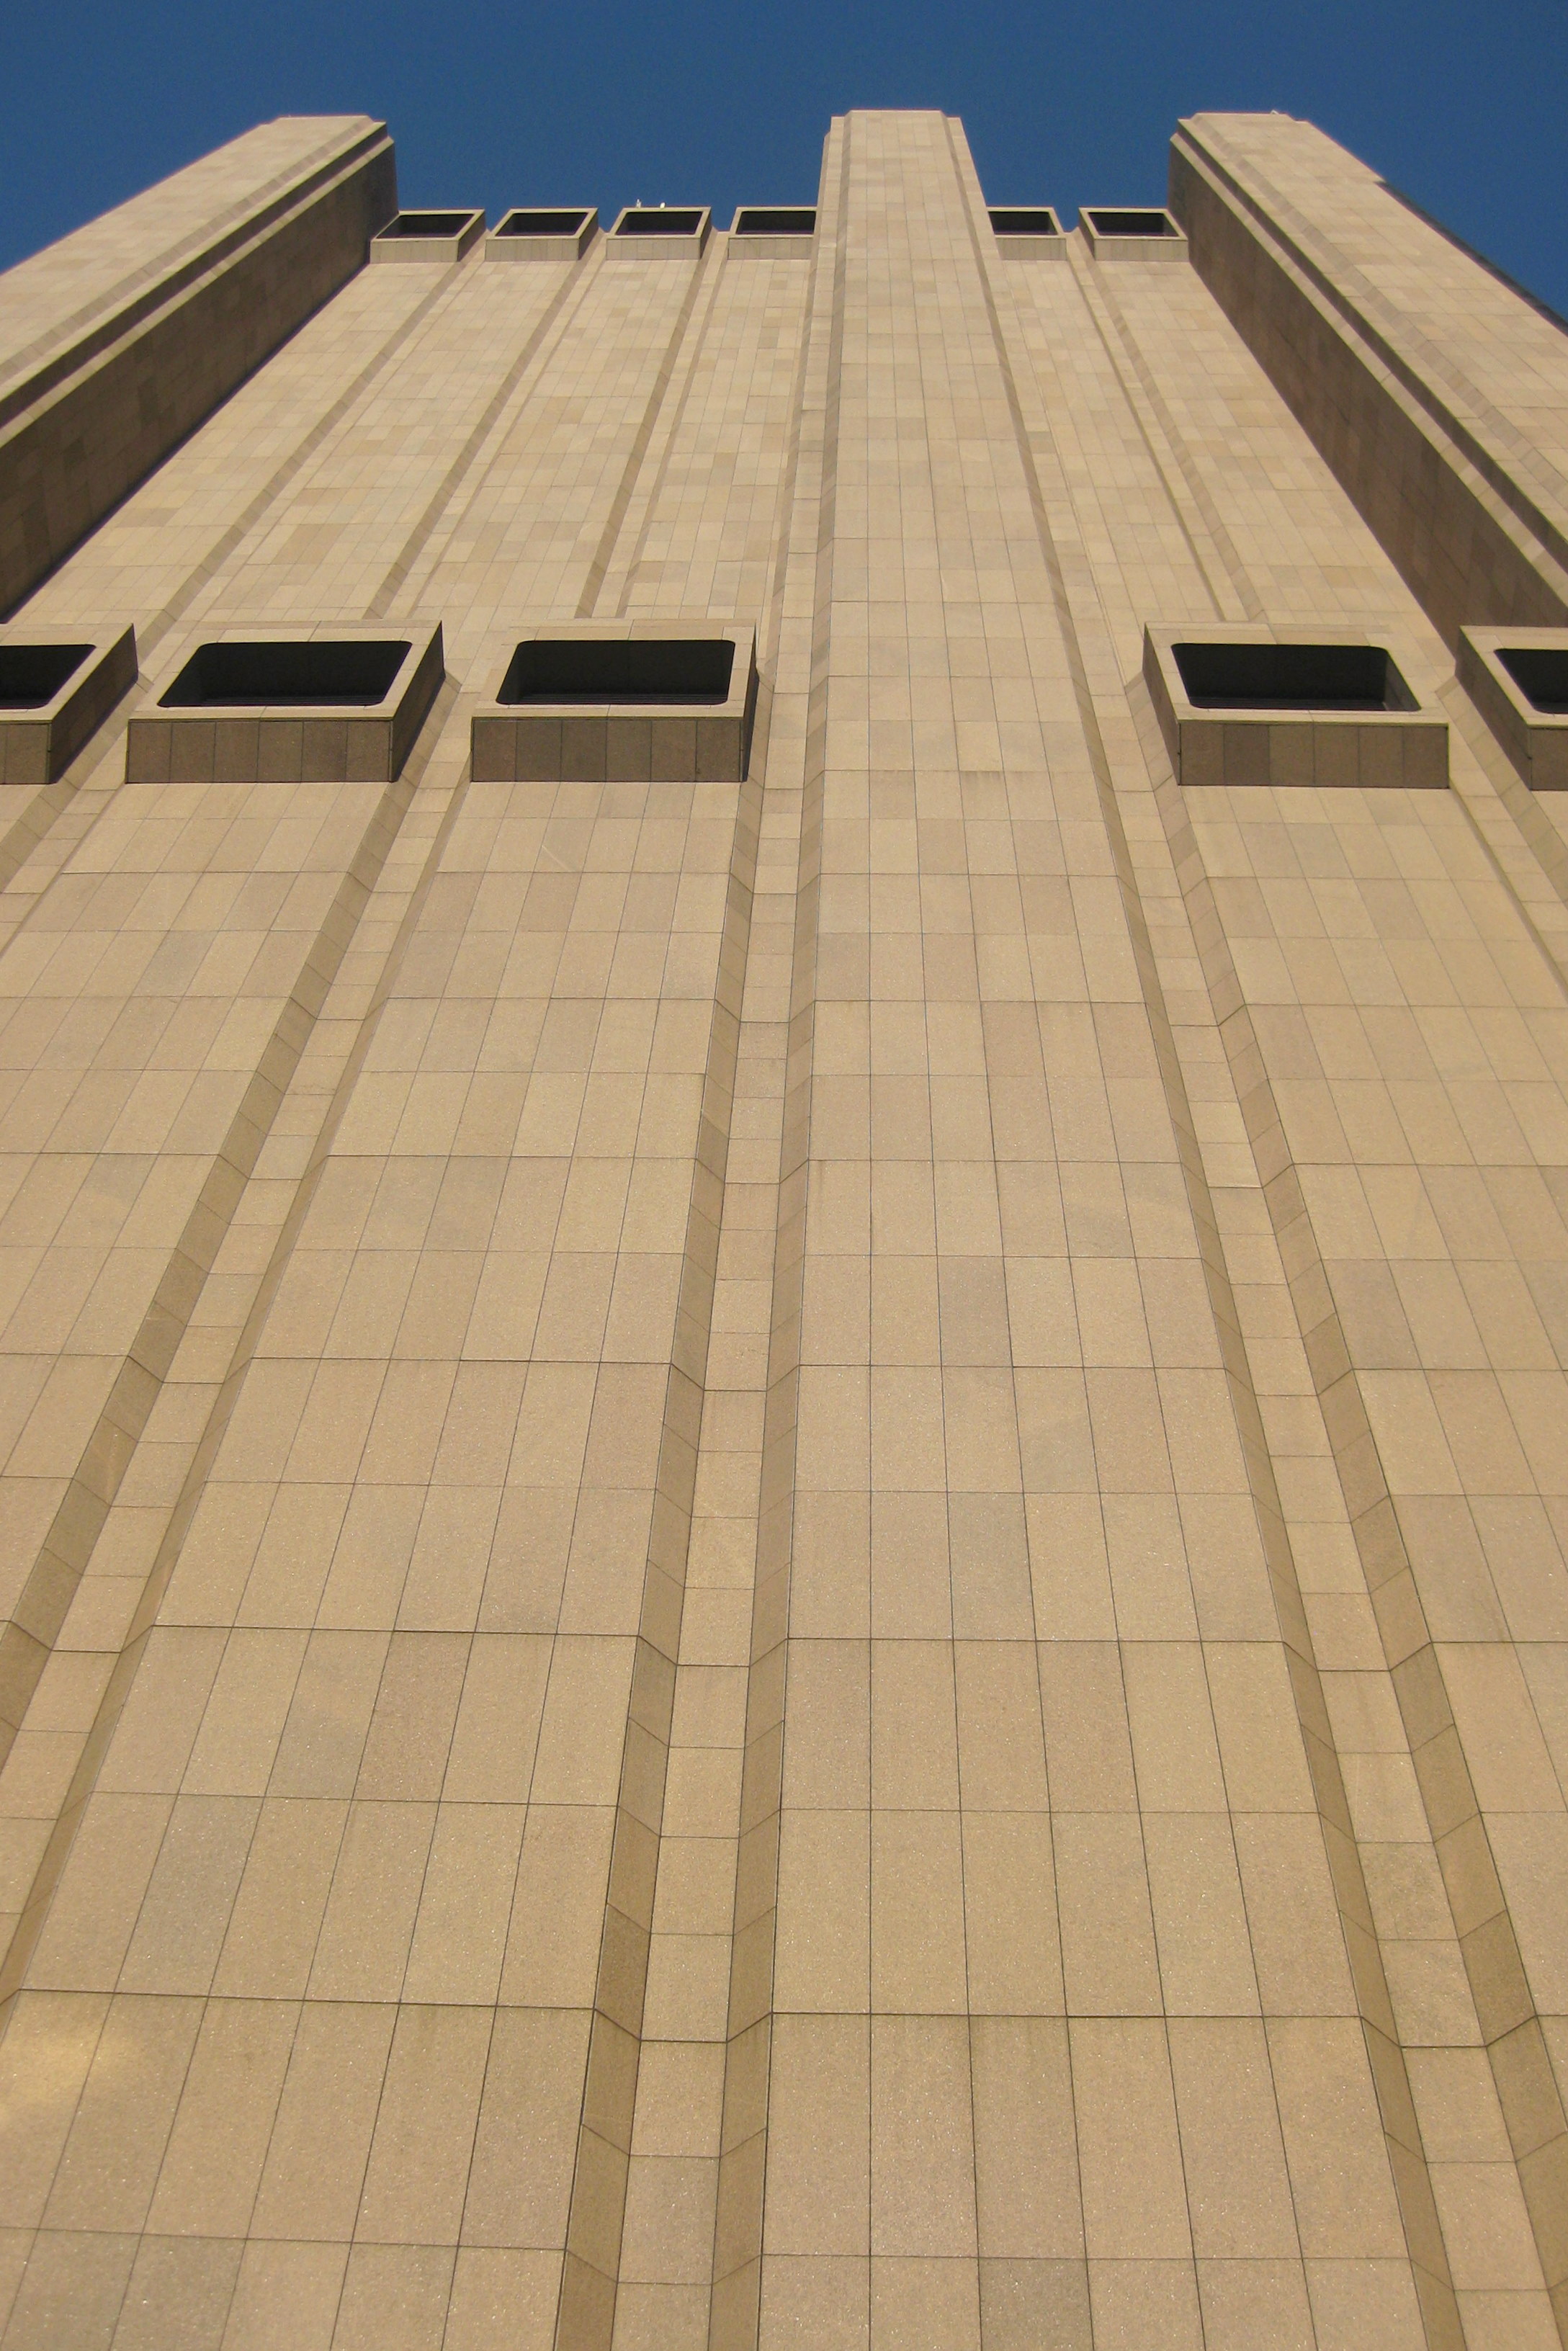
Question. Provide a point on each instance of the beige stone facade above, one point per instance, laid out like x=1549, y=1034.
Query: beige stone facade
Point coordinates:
x=783, y=1562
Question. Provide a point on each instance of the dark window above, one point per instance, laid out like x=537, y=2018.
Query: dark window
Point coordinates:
x=428, y=225
x=777, y=220
x=1015, y=223
x=31, y=675
x=1541, y=673
x=619, y=669
x=309, y=672
x=660, y=221
x=1292, y=677
x=522, y=224
x=1114, y=223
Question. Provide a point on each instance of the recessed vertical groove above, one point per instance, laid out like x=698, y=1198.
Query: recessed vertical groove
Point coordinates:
x=1412, y=2181
x=1510, y=2028
x=590, y=2274
x=742, y=2184
x=702, y=277
x=351, y=901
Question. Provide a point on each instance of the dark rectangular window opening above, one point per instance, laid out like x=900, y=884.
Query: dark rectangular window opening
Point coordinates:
x=1024, y=222
x=1292, y=677
x=619, y=669
x=546, y=223
x=1131, y=224
x=660, y=220
x=428, y=225
x=31, y=675
x=1541, y=673
x=306, y=672
x=777, y=220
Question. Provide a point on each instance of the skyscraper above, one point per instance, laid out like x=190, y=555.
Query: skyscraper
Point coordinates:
x=783, y=1268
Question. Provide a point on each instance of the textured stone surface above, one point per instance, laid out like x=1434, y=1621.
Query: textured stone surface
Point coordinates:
x=122, y=337
x=782, y=1561
x=38, y=744
x=1438, y=395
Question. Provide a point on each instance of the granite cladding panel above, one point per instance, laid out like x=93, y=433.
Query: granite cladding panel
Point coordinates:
x=781, y=1560
x=100, y=404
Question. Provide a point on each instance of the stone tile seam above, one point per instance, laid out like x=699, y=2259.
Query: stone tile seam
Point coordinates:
x=229, y=542
x=52, y=1583
x=1288, y=223
x=112, y=1700
x=585, y=2322
x=614, y=590
x=625, y=490
x=13, y=1967
x=751, y=1029
x=1422, y=398
x=1423, y=2223
x=256, y=218
x=678, y=1465
x=770, y=625
x=41, y=820
x=1376, y=321
x=740, y=2201
x=1520, y=831
x=1259, y=1114
x=559, y=313
x=1173, y=810
x=1103, y=307
x=161, y=316
x=25, y=837
x=1322, y=1758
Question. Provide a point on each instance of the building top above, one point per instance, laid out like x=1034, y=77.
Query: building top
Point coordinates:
x=1466, y=348
x=74, y=288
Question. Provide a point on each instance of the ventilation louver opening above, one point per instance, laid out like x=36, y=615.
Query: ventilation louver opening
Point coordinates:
x=1518, y=680
x=777, y=220
x=542, y=223
x=660, y=220
x=1110, y=223
x=309, y=673
x=1290, y=677
x=619, y=670
x=1241, y=708
x=636, y=702
x=428, y=225
x=318, y=709
x=1541, y=673
x=56, y=691
x=31, y=675
x=1025, y=221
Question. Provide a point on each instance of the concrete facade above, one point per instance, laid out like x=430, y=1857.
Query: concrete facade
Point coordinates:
x=783, y=1562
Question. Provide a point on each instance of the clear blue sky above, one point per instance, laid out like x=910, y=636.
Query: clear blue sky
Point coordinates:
x=1460, y=104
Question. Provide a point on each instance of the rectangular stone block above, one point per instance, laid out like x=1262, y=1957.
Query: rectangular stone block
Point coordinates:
x=121, y=338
